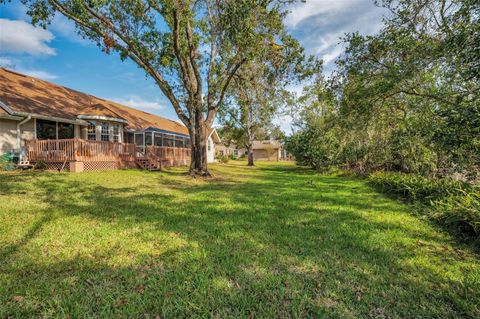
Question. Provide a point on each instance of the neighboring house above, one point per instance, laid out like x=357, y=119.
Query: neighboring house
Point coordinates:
x=48, y=122
x=267, y=150
x=212, y=141
x=224, y=150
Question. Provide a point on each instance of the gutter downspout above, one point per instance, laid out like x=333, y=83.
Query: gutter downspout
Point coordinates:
x=19, y=132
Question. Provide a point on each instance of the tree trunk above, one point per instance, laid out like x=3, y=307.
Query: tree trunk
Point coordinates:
x=250, y=155
x=198, y=138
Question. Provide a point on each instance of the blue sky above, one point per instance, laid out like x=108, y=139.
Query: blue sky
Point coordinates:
x=60, y=56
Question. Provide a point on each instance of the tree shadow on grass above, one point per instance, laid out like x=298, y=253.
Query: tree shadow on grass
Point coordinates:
x=278, y=246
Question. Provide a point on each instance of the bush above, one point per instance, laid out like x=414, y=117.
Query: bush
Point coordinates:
x=222, y=159
x=453, y=203
x=40, y=165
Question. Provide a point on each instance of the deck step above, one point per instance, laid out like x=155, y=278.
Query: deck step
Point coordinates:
x=149, y=164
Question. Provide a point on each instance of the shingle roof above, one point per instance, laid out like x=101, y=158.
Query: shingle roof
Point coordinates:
x=258, y=145
x=25, y=94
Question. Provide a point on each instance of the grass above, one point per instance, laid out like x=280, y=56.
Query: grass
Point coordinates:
x=274, y=241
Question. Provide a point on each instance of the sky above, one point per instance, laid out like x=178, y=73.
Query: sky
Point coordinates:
x=60, y=56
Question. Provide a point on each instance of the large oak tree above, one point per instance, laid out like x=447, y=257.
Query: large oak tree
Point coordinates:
x=191, y=49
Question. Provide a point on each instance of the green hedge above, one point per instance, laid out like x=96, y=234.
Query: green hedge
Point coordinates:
x=453, y=203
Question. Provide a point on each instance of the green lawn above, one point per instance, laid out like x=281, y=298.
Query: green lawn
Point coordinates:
x=274, y=241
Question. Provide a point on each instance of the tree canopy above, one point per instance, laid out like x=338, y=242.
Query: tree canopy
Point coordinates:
x=404, y=99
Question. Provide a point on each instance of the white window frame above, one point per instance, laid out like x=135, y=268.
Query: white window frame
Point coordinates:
x=102, y=131
x=94, y=133
x=116, y=135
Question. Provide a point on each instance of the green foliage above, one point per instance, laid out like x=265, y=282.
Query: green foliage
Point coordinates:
x=224, y=159
x=40, y=165
x=403, y=100
x=454, y=203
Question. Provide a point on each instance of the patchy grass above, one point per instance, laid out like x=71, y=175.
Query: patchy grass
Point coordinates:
x=272, y=241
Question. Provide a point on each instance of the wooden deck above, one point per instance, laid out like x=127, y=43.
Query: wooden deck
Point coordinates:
x=78, y=150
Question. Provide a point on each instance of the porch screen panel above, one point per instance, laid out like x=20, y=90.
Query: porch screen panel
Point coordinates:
x=139, y=139
x=128, y=137
x=46, y=130
x=179, y=142
x=65, y=130
x=187, y=142
x=157, y=140
x=148, y=138
x=168, y=140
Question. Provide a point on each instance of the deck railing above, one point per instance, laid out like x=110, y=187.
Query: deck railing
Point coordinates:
x=99, y=151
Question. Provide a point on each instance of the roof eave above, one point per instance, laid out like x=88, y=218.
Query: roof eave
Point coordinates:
x=101, y=117
x=6, y=108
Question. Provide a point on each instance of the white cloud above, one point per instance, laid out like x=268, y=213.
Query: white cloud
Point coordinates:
x=137, y=102
x=320, y=25
x=285, y=122
x=44, y=75
x=331, y=54
x=60, y=25
x=302, y=11
x=20, y=37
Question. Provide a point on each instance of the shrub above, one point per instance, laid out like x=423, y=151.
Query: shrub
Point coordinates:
x=40, y=165
x=453, y=203
x=222, y=159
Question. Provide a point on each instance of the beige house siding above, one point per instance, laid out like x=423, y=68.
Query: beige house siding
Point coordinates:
x=28, y=131
x=8, y=135
x=266, y=155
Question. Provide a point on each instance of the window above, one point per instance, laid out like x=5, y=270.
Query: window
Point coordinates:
x=209, y=145
x=91, y=132
x=46, y=130
x=235, y=152
x=116, y=133
x=105, y=134
x=65, y=131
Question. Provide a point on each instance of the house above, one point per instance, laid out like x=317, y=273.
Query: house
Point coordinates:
x=265, y=150
x=63, y=127
x=222, y=149
x=212, y=141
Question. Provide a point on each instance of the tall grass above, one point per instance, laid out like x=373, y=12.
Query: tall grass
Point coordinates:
x=455, y=204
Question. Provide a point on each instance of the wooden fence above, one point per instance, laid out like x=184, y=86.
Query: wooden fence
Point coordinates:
x=75, y=149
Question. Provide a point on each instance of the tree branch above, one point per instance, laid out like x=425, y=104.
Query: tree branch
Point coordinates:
x=214, y=107
x=129, y=50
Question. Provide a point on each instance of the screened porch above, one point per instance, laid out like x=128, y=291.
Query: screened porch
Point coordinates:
x=158, y=138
